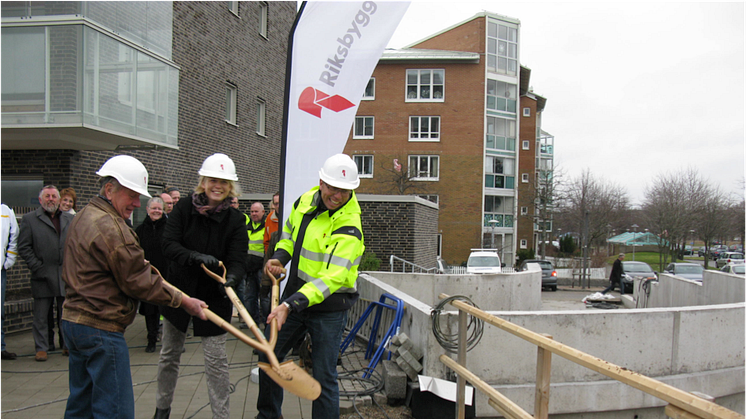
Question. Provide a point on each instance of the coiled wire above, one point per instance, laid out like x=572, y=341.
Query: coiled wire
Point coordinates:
x=449, y=342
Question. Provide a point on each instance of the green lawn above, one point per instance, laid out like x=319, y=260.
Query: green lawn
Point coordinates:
x=651, y=258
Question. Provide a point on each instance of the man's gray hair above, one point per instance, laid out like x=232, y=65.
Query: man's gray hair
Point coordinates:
x=621, y=255
x=105, y=181
x=45, y=187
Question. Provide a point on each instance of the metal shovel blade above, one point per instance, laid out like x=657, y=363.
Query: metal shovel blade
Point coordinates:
x=294, y=379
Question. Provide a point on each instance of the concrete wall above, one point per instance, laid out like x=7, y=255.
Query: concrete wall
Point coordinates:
x=505, y=292
x=692, y=348
x=716, y=288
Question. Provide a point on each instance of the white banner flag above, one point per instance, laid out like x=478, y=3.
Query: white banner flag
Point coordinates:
x=335, y=47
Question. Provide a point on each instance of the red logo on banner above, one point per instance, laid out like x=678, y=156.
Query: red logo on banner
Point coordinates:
x=312, y=100
x=344, y=173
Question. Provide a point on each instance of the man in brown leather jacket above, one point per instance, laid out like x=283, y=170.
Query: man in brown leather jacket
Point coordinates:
x=106, y=274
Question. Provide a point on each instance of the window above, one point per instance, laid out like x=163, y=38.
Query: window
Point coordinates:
x=500, y=209
x=363, y=127
x=230, y=103
x=499, y=172
x=431, y=198
x=501, y=96
x=364, y=165
x=370, y=89
x=500, y=133
x=524, y=178
x=526, y=111
x=502, y=48
x=424, y=128
x=261, y=117
x=263, y=18
x=233, y=7
x=425, y=85
x=526, y=145
x=524, y=244
x=524, y=210
x=21, y=191
x=424, y=167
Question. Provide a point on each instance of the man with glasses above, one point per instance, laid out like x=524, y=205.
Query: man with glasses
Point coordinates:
x=323, y=240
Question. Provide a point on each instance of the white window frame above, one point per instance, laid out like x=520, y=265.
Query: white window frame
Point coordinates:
x=524, y=178
x=233, y=7
x=416, y=172
x=419, y=86
x=524, y=244
x=372, y=84
x=526, y=112
x=231, y=94
x=434, y=198
x=364, y=120
x=370, y=159
x=524, y=210
x=261, y=117
x=526, y=145
x=431, y=136
x=263, y=19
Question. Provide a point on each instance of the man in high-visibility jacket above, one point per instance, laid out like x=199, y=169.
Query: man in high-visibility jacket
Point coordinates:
x=323, y=238
x=254, y=260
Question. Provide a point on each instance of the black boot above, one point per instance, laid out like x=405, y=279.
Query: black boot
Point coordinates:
x=151, y=347
x=162, y=413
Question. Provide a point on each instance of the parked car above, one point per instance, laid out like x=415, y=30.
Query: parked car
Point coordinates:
x=734, y=268
x=690, y=271
x=701, y=251
x=728, y=257
x=483, y=261
x=717, y=250
x=688, y=250
x=548, y=274
x=634, y=270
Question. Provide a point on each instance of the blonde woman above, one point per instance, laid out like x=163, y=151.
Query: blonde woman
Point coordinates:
x=202, y=229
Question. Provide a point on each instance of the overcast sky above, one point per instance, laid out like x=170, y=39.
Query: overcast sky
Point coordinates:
x=633, y=89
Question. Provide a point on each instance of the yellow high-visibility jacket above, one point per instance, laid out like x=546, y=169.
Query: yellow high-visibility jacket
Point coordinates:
x=326, y=249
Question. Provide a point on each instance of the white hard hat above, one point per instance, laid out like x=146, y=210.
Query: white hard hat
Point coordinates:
x=340, y=171
x=128, y=171
x=219, y=166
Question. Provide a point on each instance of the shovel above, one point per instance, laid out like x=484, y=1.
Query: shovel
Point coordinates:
x=287, y=375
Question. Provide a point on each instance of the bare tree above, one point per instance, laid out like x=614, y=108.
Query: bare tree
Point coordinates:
x=677, y=203
x=541, y=198
x=400, y=180
x=604, y=203
x=712, y=219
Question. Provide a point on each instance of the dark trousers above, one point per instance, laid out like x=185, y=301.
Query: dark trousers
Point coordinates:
x=614, y=283
x=152, y=321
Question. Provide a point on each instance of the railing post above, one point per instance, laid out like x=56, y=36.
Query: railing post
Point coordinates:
x=543, y=375
x=461, y=381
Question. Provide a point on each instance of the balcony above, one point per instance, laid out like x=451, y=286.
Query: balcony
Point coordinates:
x=68, y=83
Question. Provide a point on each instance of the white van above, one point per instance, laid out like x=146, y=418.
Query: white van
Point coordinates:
x=483, y=261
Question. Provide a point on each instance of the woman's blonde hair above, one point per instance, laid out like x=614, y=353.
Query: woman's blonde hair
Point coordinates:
x=235, y=187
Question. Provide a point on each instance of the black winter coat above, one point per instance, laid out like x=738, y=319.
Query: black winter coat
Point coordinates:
x=149, y=233
x=223, y=235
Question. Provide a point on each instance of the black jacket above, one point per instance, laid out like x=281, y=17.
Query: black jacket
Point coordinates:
x=616, y=271
x=149, y=233
x=223, y=235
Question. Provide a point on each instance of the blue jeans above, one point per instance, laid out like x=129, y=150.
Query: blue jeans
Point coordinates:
x=2, y=307
x=99, y=371
x=326, y=336
x=248, y=292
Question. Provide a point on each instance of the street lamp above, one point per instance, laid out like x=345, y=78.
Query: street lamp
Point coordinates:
x=691, y=231
x=634, y=227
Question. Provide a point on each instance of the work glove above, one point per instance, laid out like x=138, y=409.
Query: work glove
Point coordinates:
x=211, y=262
x=231, y=281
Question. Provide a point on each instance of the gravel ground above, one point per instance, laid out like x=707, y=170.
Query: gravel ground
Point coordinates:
x=382, y=412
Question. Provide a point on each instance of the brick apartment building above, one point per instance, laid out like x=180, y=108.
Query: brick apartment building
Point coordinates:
x=440, y=119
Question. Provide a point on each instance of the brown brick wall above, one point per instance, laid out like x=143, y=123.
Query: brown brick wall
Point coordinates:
x=526, y=164
x=460, y=146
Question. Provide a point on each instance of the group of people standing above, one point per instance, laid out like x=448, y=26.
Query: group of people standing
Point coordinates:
x=107, y=270
x=40, y=241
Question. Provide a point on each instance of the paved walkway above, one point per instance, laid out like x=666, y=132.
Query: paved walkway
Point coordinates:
x=39, y=390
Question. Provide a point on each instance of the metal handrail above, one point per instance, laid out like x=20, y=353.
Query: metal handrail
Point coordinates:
x=421, y=269
x=678, y=399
